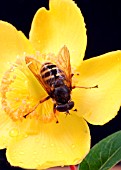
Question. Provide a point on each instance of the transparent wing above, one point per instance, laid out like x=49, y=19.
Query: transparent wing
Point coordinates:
x=35, y=66
x=63, y=62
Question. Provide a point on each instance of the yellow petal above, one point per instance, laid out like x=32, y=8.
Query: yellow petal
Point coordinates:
x=12, y=44
x=7, y=128
x=62, y=25
x=57, y=144
x=99, y=105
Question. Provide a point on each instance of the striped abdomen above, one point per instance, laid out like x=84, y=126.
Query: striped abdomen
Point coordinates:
x=51, y=73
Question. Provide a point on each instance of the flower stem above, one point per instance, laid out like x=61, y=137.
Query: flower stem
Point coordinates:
x=73, y=167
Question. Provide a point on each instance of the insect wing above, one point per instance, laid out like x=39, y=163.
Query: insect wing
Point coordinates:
x=63, y=62
x=35, y=66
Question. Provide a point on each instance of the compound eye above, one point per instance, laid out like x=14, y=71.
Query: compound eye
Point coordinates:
x=61, y=108
x=65, y=107
x=70, y=105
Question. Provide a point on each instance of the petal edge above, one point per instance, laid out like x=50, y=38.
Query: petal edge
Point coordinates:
x=62, y=25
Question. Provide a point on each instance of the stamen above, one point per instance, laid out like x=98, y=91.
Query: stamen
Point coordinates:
x=16, y=97
x=6, y=88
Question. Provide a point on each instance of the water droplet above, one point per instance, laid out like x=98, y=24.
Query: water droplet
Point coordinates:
x=44, y=146
x=73, y=146
x=37, y=140
x=21, y=153
x=39, y=166
x=14, y=132
x=52, y=144
x=37, y=161
x=59, y=151
x=35, y=153
x=20, y=164
x=26, y=135
x=118, y=59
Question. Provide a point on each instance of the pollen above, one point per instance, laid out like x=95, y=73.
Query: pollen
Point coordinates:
x=11, y=103
x=20, y=93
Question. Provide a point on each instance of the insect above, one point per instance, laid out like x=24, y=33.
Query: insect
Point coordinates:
x=56, y=79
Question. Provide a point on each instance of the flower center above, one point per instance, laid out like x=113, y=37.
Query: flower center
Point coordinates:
x=21, y=92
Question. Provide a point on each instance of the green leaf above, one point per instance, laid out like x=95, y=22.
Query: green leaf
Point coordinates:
x=103, y=155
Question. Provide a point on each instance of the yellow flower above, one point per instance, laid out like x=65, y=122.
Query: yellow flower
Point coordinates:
x=37, y=141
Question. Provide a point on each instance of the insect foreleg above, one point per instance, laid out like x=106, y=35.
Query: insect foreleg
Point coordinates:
x=54, y=111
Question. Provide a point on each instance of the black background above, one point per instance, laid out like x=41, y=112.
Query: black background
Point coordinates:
x=103, y=23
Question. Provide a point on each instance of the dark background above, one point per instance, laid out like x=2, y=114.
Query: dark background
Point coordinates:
x=103, y=22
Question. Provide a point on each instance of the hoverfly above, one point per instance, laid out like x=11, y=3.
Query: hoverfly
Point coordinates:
x=56, y=79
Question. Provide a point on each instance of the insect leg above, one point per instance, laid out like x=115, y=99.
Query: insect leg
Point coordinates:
x=67, y=112
x=54, y=111
x=85, y=87
x=34, y=108
x=72, y=75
